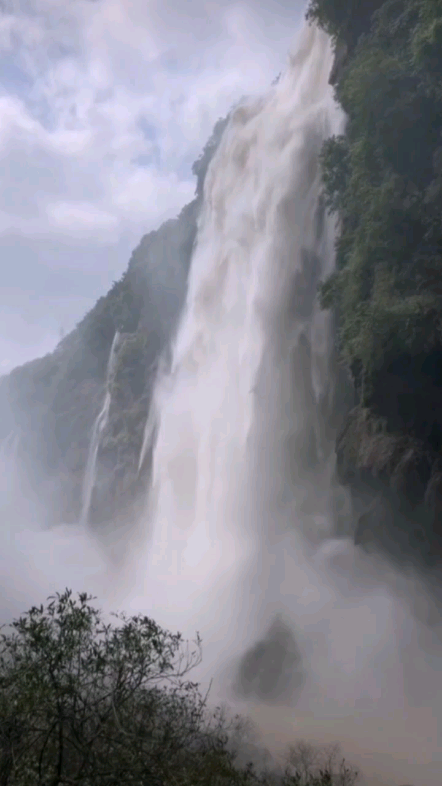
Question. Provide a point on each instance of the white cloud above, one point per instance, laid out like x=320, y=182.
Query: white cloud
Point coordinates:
x=80, y=217
x=15, y=121
x=147, y=192
x=103, y=107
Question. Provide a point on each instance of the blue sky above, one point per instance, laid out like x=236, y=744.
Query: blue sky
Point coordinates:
x=104, y=105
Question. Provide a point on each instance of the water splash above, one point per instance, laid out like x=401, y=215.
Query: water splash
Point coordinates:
x=97, y=431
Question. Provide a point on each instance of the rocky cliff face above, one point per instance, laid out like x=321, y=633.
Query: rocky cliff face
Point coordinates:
x=395, y=480
x=384, y=181
x=48, y=406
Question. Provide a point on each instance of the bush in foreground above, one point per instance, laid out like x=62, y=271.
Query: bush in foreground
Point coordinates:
x=94, y=704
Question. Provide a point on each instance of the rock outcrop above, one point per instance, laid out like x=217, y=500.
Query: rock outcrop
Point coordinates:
x=395, y=480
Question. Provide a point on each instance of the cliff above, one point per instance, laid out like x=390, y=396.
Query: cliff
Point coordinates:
x=384, y=180
x=48, y=406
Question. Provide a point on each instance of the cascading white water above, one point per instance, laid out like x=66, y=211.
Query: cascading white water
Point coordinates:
x=251, y=363
x=149, y=434
x=97, y=431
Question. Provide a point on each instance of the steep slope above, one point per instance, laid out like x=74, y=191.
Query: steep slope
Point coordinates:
x=48, y=406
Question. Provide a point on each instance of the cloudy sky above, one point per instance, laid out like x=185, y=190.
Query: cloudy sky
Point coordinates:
x=104, y=105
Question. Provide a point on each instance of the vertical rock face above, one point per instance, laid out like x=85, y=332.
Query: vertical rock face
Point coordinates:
x=272, y=669
x=396, y=486
x=341, y=54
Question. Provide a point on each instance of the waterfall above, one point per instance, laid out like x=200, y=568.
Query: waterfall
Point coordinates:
x=242, y=475
x=148, y=435
x=240, y=441
x=97, y=431
x=157, y=371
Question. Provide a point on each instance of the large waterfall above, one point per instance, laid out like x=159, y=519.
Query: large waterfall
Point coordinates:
x=241, y=460
x=240, y=427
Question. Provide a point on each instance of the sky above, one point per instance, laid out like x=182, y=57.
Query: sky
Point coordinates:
x=104, y=106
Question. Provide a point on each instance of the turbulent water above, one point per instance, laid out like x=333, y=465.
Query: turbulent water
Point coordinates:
x=97, y=431
x=299, y=629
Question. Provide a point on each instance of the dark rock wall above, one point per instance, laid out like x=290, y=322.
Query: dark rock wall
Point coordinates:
x=396, y=485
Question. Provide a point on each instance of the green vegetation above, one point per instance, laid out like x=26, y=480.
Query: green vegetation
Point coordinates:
x=346, y=19
x=384, y=180
x=87, y=703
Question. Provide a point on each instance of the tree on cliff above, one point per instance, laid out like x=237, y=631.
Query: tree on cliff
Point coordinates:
x=384, y=179
x=85, y=703
x=343, y=18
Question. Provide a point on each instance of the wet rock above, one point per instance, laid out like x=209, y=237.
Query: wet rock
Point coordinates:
x=411, y=475
x=367, y=452
x=395, y=481
x=272, y=669
x=341, y=54
x=433, y=492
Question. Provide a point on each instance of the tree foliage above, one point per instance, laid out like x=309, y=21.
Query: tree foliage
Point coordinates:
x=384, y=179
x=87, y=703
x=343, y=19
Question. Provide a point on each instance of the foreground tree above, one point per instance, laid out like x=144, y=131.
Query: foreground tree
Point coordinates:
x=87, y=703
